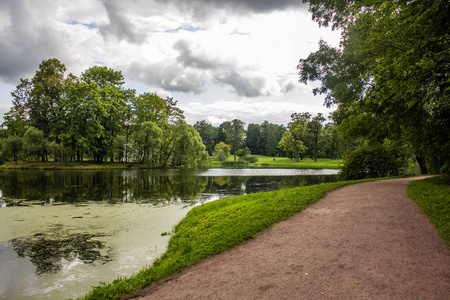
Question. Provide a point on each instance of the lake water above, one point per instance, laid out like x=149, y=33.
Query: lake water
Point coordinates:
x=62, y=232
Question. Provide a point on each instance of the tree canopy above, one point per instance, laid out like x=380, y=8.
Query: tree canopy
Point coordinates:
x=94, y=116
x=389, y=77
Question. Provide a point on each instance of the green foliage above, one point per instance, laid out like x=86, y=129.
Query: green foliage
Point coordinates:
x=432, y=195
x=34, y=144
x=12, y=146
x=215, y=227
x=250, y=159
x=372, y=162
x=235, y=133
x=221, y=156
x=389, y=77
x=224, y=147
x=94, y=116
x=208, y=133
x=188, y=151
x=241, y=153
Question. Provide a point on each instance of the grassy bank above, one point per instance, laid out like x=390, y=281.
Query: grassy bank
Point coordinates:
x=432, y=195
x=86, y=165
x=215, y=227
x=284, y=162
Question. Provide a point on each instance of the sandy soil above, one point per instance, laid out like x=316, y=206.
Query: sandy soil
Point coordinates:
x=364, y=241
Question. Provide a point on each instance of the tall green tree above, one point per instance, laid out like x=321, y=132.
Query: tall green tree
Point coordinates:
x=17, y=118
x=315, y=126
x=253, y=138
x=390, y=76
x=235, y=133
x=297, y=128
x=113, y=99
x=47, y=94
x=189, y=151
x=35, y=144
x=147, y=140
x=208, y=133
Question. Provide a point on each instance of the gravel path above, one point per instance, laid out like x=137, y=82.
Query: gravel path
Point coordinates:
x=363, y=241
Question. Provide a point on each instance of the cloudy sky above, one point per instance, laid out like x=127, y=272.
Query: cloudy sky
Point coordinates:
x=220, y=59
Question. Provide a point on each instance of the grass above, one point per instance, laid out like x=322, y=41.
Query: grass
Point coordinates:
x=217, y=226
x=51, y=165
x=214, y=227
x=284, y=162
x=432, y=195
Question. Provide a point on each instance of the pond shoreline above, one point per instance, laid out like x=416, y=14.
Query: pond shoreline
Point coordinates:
x=90, y=165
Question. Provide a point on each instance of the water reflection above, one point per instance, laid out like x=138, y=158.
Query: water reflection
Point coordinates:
x=23, y=188
x=48, y=251
x=63, y=231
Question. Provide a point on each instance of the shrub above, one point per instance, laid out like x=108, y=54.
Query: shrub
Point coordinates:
x=372, y=162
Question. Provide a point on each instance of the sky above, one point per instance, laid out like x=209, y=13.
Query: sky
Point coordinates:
x=221, y=60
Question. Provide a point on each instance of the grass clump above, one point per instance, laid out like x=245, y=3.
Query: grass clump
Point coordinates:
x=432, y=195
x=214, y=227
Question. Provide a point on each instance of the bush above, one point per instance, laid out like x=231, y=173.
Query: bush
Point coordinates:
x=372, y=162
x=251, y=159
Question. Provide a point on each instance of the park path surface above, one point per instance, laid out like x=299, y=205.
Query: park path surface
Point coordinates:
x=362, y=241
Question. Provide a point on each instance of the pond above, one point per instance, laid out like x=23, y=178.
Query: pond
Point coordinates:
x=62, y=232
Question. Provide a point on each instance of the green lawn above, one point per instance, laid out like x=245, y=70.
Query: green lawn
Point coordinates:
x=284, y=162
x=432, y=195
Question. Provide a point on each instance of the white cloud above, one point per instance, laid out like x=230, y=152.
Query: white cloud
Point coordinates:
x=243, y=52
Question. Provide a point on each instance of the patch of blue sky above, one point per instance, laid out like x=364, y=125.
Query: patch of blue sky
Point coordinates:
x=186, y=28
x=91, y=25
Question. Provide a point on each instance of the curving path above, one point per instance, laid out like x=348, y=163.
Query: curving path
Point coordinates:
x=363, y=241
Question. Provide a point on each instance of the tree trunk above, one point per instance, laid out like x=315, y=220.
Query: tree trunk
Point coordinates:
x=422, y=164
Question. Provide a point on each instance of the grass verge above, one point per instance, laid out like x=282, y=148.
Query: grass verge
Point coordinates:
x=432, y=195
x=284, y=162
x=214, y=227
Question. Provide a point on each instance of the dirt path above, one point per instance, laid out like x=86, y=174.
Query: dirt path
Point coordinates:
x=363, y=241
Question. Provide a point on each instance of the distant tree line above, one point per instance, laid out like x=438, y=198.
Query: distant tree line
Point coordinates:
x=70, y=118
x=305, y=136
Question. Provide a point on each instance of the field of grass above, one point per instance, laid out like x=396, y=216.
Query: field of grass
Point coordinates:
x=214, y=227
x=432, y=195
x=284, y=162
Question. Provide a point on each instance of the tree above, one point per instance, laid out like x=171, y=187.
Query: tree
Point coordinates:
x=297, y=129
x=390, y=74
x=208, y=133
x=189, y=150
x=12, y=146
x=34, y=144
x=315, y=127
x=221, y=156
x=253, y=139
x=47, y=94
x=17, y=118
x=147, y=141
x=235, y=134
x=224, y=147
x=111, y=103
x=292, y=146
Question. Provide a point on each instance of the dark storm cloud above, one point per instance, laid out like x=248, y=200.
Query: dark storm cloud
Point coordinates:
x=195, y=59
x=170, y=77
x=247, y=86
x=223, y=72
x=204, y=8
x=119, y=25
x=25, y=41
